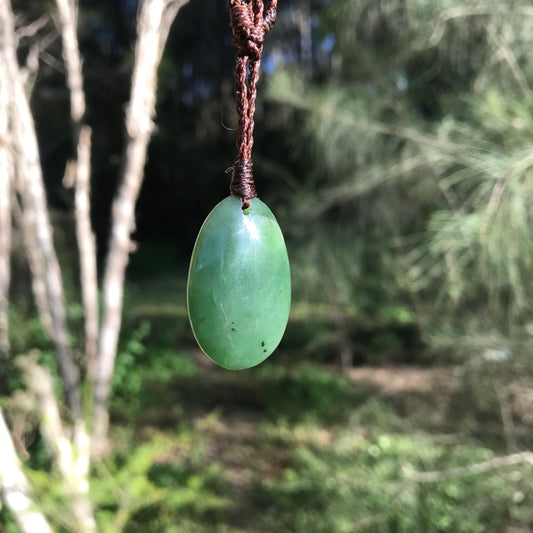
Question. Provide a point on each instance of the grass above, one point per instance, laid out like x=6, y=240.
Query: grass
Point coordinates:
x=299, y=448
x=292, y=446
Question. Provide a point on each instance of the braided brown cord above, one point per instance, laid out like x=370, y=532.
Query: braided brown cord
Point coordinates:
x=249, y=22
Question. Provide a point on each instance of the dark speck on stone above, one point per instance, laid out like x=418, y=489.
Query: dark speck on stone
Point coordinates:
x=264, y=351
x=262, y=343
x=232, y=329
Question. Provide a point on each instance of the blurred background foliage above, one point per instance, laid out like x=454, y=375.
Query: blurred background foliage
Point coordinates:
x=394, y=142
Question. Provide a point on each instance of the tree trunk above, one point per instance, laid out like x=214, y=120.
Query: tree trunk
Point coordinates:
x=82, y=180
x=35, y=210
x=154, y=22
x=87, y=249
x=71, y=456
x=15, y=487
x=68, y=17
x=6, y=180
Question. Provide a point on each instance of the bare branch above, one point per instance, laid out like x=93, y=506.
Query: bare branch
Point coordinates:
x=454, y=13
x=15, y=486
x=35, y=211
x=51, y=61
x=29, y=71
x=82, y=172
x=36, y=265
x=71, y=456
x=68, y=16
x=169, y=14
x=29, y=30
x=31, y=67
x=87, y=249
x=505, y=53
x=470, y=470
x=153, y=24
x=6, y=180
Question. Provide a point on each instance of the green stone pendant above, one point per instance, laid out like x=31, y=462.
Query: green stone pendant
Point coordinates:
x=239, y=286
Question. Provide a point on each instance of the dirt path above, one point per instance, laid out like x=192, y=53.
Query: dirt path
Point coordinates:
x=405, y=379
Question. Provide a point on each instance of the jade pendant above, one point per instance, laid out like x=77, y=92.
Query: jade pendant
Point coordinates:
x=239, y=286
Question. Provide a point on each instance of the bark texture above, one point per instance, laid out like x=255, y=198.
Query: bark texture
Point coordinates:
x=68, y=17
x=71, y=455
x=6, y=180
x=15, y=487
x=87, y=249
x=45, y=265
x=153, y=24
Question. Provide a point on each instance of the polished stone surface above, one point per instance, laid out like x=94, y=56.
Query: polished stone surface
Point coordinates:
x=239, y=287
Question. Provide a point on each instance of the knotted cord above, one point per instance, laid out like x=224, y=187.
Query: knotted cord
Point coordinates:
x=249, y=22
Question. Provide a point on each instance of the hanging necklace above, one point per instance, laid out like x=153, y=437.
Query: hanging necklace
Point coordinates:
x=239, y=287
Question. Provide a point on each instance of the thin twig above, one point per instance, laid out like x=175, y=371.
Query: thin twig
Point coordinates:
x=470, y=470
x=29, y=30
x=506, y=413
x=454, y=13
x=35, y=262
x=504, y=51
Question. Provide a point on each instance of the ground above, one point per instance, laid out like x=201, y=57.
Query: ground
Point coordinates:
x=295, y=446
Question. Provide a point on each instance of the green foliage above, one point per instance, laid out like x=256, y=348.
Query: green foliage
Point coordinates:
x=25, y=331
x=299, y=448
x=127, y=487
x=419, y=165
x=126, y=376
x=483, y=245
x=7, y=521
x=266, y=469
x=295, y=447
x=408, y=161
x=357, y=485
x=144, y=488
x=142, y=360
x=301, y=392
